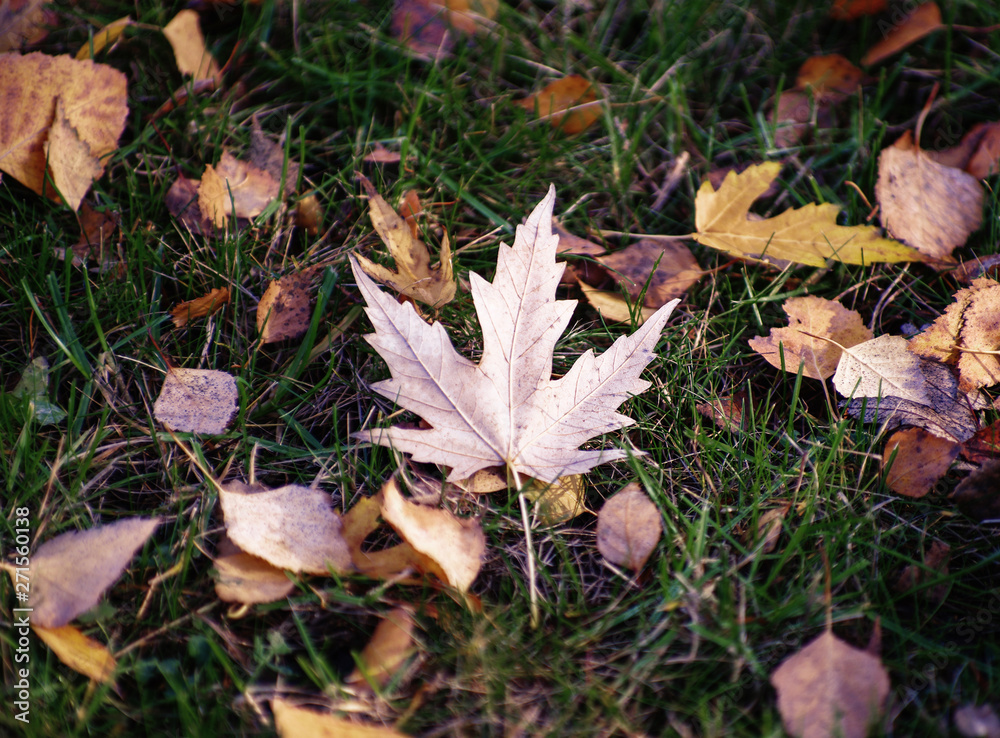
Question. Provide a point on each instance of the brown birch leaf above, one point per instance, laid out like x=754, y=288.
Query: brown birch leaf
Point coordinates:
x=665, y=270
x=927, y=205
x=819, y=317
x=830, y=689
x=628, y=528
x=921, y=459
x=290, y=527
x=507, y=409
x=284, y=309
x=807, y=235
x=235, y=187
x=70, y=572
x=197, y=400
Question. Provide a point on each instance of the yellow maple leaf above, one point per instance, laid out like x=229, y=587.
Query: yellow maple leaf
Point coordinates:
x=807, y=235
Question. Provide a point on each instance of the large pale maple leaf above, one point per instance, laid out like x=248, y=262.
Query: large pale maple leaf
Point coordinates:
x=507, y=410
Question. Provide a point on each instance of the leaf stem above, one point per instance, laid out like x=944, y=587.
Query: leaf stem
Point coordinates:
x=532, y=574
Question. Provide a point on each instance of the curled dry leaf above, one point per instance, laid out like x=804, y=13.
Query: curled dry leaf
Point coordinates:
x=830, y=688
x=507, y=409
x=898, y=387
x=934, y=567
x=628, y=528
x=415, y=277
x=819, y=317
x=807, y=235
x=248, y=579
x=299, y=722
x=186, y=39
x=284, y=310
x=197, y=400
x=79, y=652
x=390, y=646
x=921, y=459
x=103, y=38
x=921, y=22
x=358, y=523
x=70, y=572
x=569, y=104
x=927, y=205
x=291, y=527
x=451, y=548
x=766, y=532
x=70, y=146
x=664, y=270
x=967, y=335
x=200, y=307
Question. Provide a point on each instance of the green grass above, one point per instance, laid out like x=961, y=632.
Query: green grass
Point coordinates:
x=685, y=650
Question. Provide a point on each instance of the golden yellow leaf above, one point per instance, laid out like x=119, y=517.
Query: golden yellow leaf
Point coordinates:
x=188, y=43
x=363, y=519
x=807, y=235
x=103, y=38
x=90, y=104
x=415, y=277
x=557, y=502
x=613, y=306
x=235, y=187
x=78, y=652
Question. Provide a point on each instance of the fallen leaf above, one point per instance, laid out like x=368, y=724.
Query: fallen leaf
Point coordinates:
x=819, y=317
x=984, y=446
x=921, y=459
x=197, y=400
x=854, y=9
x=79, y=652
x=409, y=209
x=830, y=689
x=628, y=528
x=290, y=527
x=921, y=22
x=569, y=104
x=978, y=495
x=309, y=215
x=358, y=523
x=451, y=548
x=766, y=532
x=298, y=722
x=726, y=412
x=248, y=579
x=557, y=502
x=898, y=387
x=103, y=38
x=22, y=23
x=428, y=27
x=34, y=387
x=470, y=15
x=831, y=78
x=182, y=203
x=675, y=272
x=379, y=154
x=967, y=335
x=958, y=156
x=200, y=307
x=977, y=721
x=792, y=118
x=284, y=310
x=485, y=481
x=415, y=278
x=267, y=154
x=389, y=648
x=188, y=42
x=89, y=101
x=507, y=409
x=70, y=572
x=573, y=244
x=928, y=206
x=935, y=566
x=97, y=228
x=807, y=235
x=235, y=188
x=985, y=160
x=613, y=306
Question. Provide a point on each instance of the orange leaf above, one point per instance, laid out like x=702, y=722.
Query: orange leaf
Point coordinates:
x=922, y=458
x=200, y=307
x=853, y=9
x=921, y=22
x=78, y=652
x=569, y=104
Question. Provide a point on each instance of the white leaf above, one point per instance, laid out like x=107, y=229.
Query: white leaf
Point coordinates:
x=507, y=409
